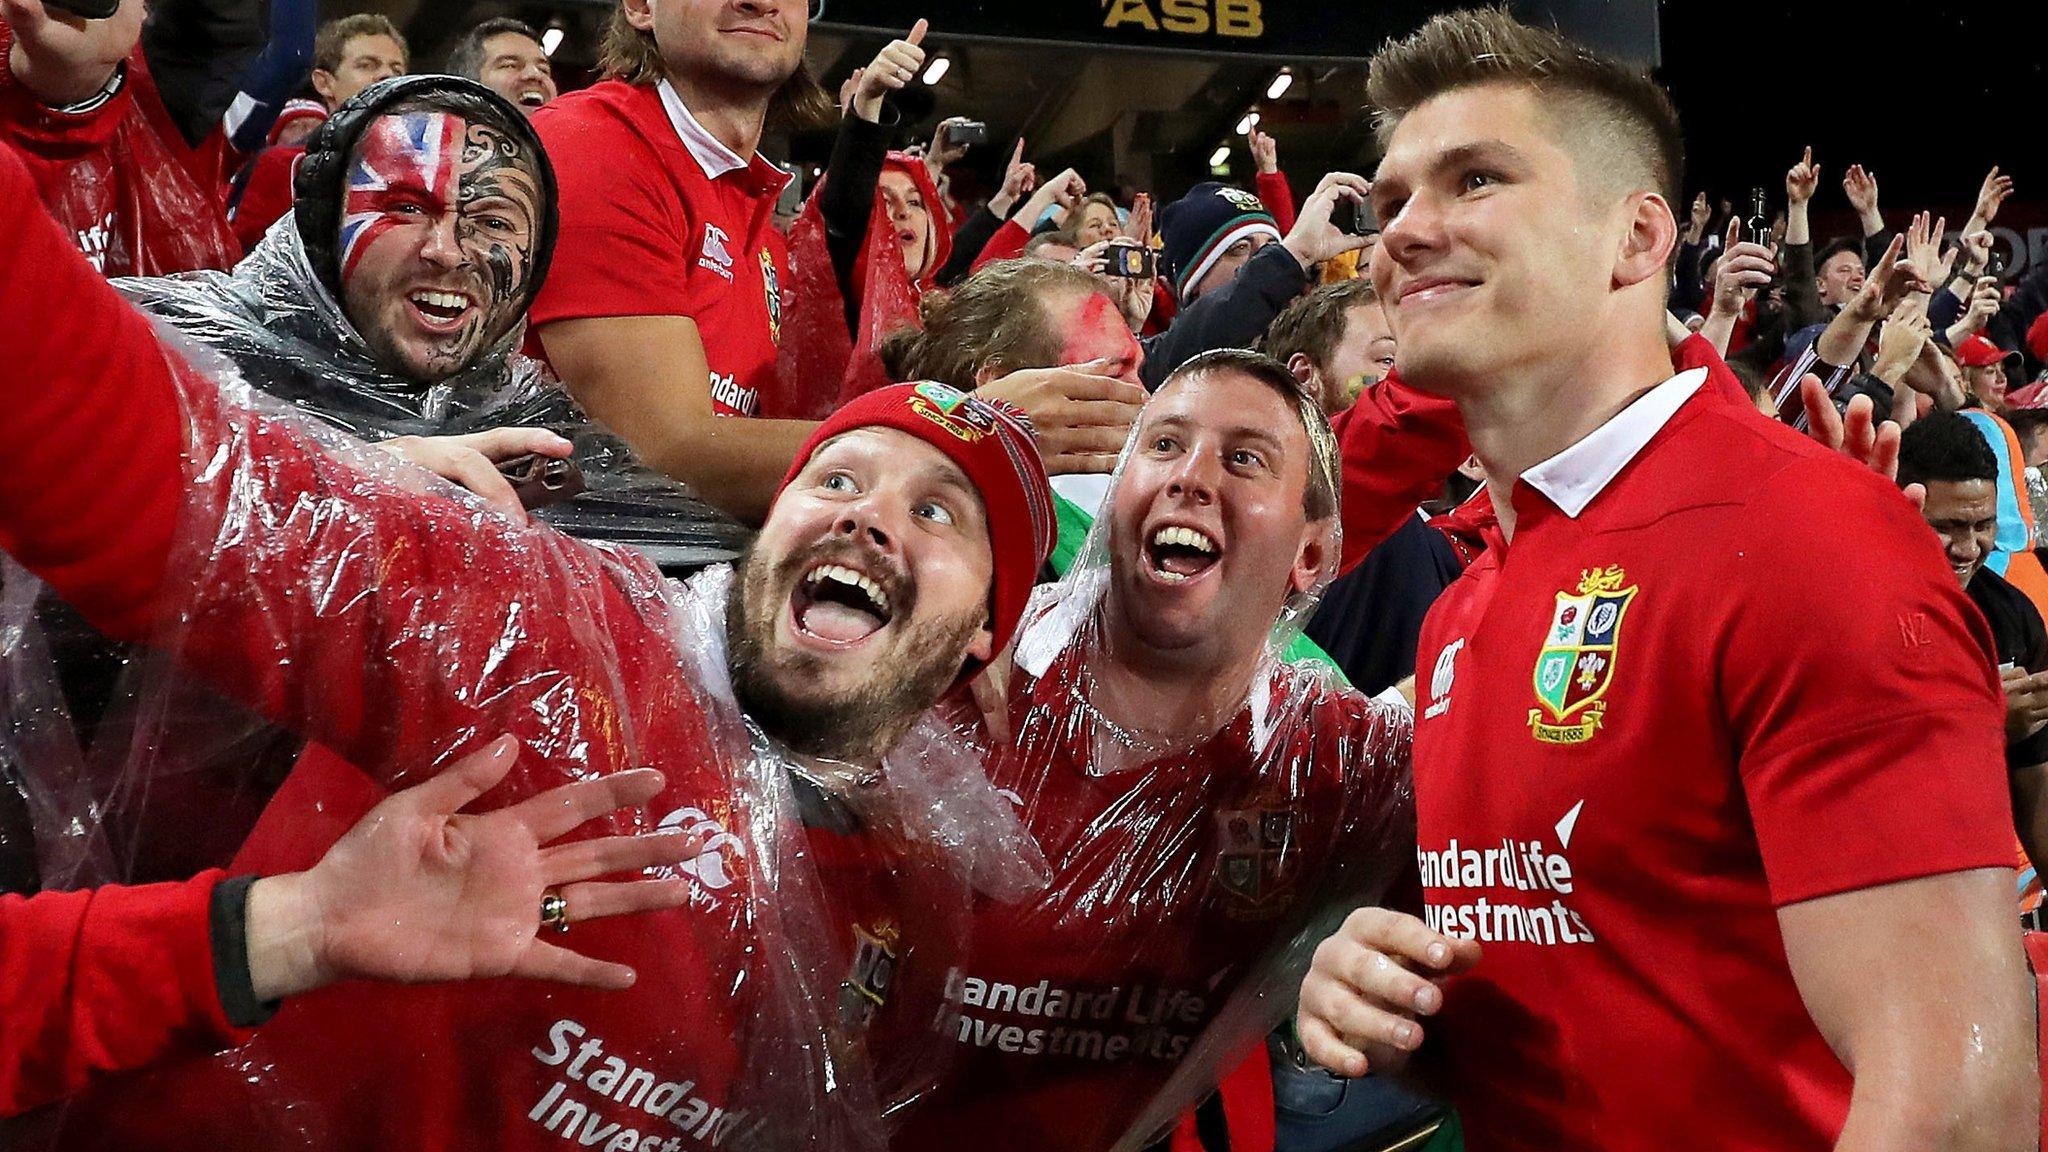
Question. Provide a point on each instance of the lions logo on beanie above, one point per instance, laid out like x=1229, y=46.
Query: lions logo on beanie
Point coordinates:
x=992, y=443
x=1197, y=229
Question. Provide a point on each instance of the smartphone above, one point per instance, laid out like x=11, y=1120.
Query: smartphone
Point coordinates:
x=1130, y=261
x=1995, y=268
x=1353, y=218
x=90, y=9
x=542, y=480
x=973, y=133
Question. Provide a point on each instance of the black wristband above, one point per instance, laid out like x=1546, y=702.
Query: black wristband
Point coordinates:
x=230, y=932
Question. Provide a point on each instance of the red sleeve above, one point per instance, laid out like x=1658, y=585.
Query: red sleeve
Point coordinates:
x=1866, y=716
x=335, y=603
x=1397, y=446
x=105, y=980
x=1008, y=243
x=1278, y=197
x=91, y=491
x=43, y=132
x=621, y=250
x=268, y=194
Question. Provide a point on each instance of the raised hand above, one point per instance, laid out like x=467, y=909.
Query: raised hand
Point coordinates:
x=1855, y=433
x=1900, y=341
x=1923, y=247
x=1990, y=198
x=65, y=59
x=943, y=151
x=1134, y=295
x=1064, y=191
x=1265, y=153
x=1861, y=187
x=891, y=69
x=1745, y=268
x=1702, y=215
x=1891, y=281
x=417, y=892
x=1138, y=229
x=1802, y=180
x=1314, y=238
x=1019, y=178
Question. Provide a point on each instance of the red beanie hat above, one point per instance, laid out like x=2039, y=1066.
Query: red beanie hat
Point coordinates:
x=992, y=443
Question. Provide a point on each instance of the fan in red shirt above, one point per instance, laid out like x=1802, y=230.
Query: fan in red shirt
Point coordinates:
x=401, y=629
x=1197, y=798
x=78, y=107
x=1715, y=847
x=665, y=309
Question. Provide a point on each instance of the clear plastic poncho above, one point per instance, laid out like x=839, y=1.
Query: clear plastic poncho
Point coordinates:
x=806, y=989
x=174, y=777
x=1191, y=878
x=275, y=320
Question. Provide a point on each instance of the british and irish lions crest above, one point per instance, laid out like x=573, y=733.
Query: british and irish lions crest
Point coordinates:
x=1576, y=665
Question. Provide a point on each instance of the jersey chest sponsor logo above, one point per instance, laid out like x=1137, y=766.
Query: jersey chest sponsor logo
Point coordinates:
x=716, y=256
x=1576, y=664
x=726, y=390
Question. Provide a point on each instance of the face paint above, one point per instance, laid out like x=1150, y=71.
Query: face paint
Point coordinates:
x=438, y=239
x=405, y=162
x=1097, y=331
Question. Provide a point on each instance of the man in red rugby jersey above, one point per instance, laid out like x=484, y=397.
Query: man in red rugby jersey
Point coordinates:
x=1733, y=834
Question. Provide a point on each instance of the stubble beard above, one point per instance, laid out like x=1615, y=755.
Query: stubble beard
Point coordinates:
x=858, y=726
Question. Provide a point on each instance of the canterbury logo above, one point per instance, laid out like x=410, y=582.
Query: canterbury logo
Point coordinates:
x=709, y=868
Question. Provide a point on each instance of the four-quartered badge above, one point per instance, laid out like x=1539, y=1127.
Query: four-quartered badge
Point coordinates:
x=1576, y=663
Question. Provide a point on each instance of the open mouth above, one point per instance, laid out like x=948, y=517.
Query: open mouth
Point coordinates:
x=442, y=311
x=1176, y=555
x=839, y=605
x=533, y=98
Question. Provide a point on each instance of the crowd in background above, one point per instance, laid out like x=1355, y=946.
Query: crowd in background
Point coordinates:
x=619, y=317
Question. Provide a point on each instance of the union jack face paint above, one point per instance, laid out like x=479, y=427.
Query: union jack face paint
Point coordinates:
x=412, y=158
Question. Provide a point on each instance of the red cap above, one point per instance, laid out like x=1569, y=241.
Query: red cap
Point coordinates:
x=2037, y=337
x=1977, y=352
x=992, y=443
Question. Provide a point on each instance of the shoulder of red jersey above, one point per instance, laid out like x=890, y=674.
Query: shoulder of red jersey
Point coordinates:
x=597, y=120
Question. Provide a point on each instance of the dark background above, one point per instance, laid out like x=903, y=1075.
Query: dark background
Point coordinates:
x=1928, y=97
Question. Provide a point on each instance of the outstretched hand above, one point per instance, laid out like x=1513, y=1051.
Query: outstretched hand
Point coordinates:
x=417, y=892
x=1855, y=433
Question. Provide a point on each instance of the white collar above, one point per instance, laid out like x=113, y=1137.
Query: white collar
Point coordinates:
x=711, y=153
x=1574, y=476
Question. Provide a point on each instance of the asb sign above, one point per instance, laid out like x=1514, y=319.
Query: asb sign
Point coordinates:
x=1283, y=28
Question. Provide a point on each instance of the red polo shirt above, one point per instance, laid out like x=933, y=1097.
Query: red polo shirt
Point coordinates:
x=661, y=219
x=1719, y=670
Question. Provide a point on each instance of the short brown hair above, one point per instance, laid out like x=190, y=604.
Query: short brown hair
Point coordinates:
x=331, y=42
x=996, y=316
x=466, y=56
x=1319, y=498
x=1314, y=324
x=631, y=54
x=1599, y=94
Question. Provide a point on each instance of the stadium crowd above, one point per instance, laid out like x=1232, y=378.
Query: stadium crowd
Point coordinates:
x=510, y=639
